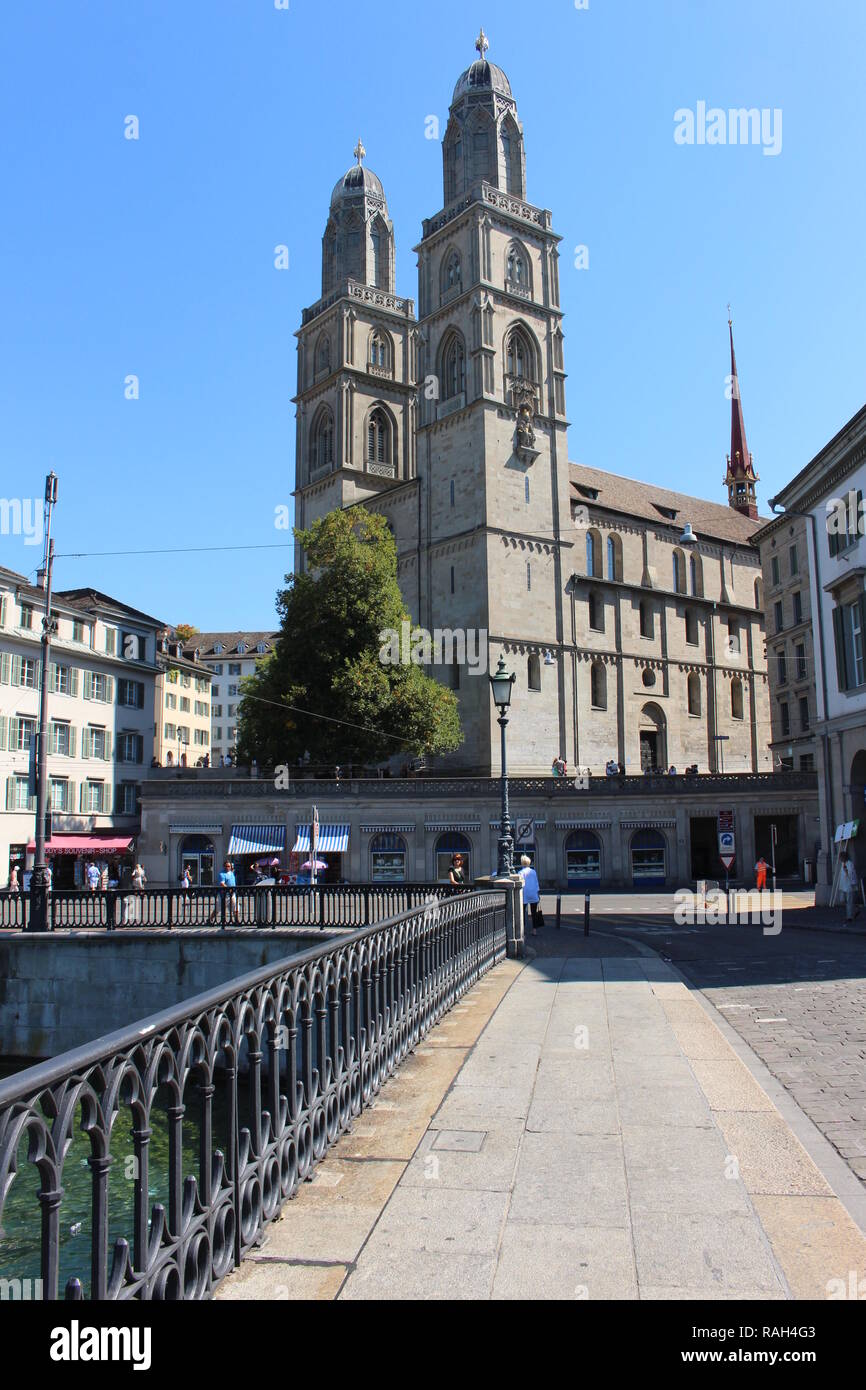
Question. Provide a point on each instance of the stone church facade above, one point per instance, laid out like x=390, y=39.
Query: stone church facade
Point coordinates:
x=632, y=615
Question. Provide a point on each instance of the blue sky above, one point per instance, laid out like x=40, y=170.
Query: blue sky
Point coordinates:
x=155, y=257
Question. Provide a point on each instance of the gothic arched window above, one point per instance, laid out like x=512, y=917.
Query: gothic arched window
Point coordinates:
x=519, y=357
x=381, y=241
x=510, y=142
x=379, y=353
x=329, y=259
x=379, y=444
x=452, y=156
x=322, y=440
x=323, y=354
x=533, y=673
x=453, y=366
x=452, y=273
x=736, y=698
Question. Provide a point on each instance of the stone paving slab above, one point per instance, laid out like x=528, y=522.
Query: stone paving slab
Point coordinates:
x=644, y=1162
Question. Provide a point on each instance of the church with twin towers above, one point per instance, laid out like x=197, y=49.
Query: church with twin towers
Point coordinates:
x=631, y=615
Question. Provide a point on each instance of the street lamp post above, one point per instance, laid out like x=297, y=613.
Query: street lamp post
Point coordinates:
x=501, y=683
x=39, y=877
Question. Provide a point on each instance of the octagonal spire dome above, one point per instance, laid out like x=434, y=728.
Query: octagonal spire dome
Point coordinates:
x=358, y=181
x=482, y=76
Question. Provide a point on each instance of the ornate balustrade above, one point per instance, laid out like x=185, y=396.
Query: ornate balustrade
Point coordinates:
x=275, y=1064
x=222, y=783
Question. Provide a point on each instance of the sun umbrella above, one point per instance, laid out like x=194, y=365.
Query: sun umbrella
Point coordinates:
x=308, y=864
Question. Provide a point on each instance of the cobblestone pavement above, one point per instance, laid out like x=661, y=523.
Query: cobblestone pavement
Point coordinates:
x=798, y=999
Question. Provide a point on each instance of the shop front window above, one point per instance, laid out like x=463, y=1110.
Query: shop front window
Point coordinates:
x=388, y=859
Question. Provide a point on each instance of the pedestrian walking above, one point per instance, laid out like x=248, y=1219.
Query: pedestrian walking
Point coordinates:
x=186, y=878
x=139, y=878
x=531, y=892
x=103, y=879
x=92, y=876
x=761, y=874
x=850, y=881
x=13, y=879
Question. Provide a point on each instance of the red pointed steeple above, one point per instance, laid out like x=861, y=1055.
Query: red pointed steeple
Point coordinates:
x=741, y=477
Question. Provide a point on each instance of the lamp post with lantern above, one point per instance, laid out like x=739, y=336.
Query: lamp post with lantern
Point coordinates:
x=501, y=683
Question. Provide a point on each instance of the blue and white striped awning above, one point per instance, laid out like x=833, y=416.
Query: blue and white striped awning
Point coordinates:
x=257, y=839
x=333, y=839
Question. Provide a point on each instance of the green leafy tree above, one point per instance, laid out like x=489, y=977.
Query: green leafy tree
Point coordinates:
x=185, y=631
x=327, y=660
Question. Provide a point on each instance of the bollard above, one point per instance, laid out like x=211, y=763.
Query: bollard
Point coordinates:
x=586, y=914
x=558, y=911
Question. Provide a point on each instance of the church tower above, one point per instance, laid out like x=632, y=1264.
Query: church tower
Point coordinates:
x=741, y=477
x=494, y=511
x=357, y=349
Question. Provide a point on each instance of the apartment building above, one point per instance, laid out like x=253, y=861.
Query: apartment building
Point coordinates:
x=182, y=715
x=101, y=714
x=785, y=553
x=825, y=500
x=229, y=657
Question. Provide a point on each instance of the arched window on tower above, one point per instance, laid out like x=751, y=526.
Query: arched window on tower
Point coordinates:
x=736, y=698
x=329, y=259
x=510, y=144
x=533, y=673
x=480, y=147
x=381, y=255
x=379, y=349
x=519, y=359
x=452, y=156
x=323, y=355
x=322, y=441
x=453, y=370
x=679, y=563
x=379, y=439
x=451, y=280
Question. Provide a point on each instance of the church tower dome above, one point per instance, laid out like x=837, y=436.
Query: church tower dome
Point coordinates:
x=359, y=239
x=484, y=140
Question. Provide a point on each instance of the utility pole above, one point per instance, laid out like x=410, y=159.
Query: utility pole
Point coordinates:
x=39, y=879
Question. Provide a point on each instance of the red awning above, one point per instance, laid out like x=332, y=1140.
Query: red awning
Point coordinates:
x=84, y=844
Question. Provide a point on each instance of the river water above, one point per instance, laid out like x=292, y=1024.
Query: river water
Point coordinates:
x=20, y=1222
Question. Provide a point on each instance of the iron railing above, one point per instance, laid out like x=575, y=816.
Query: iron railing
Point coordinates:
x=295, y=1051
x=283, y=905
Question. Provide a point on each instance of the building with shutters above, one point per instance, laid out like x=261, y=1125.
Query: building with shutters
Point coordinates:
x=101, y=716
x=816, y=606
x=182, y=706
x=227, y=658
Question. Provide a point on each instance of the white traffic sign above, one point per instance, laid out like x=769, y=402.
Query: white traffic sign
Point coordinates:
x=727, y=860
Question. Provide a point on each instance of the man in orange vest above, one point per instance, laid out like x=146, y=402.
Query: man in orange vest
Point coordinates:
x=761, y=871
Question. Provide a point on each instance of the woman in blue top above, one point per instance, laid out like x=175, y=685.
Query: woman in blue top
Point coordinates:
x=531, y=892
